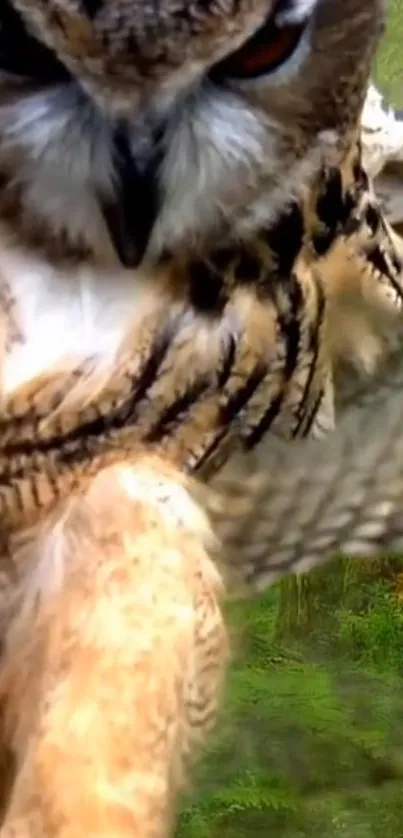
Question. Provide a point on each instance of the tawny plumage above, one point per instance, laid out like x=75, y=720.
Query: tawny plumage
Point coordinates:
x=267, y=363
x=195, y=273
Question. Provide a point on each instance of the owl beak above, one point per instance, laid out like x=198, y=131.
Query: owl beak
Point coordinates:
x=131, y=213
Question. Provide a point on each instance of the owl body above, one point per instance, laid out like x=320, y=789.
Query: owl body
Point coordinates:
x=185, y=222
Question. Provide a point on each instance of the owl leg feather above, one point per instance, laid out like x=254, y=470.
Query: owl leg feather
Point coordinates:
x=114, y=660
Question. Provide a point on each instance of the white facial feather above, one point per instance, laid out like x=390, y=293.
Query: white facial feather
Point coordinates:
x=64, y=158
x=217, y=151
x=214, y=148
x=295, y=11
x=224, y=163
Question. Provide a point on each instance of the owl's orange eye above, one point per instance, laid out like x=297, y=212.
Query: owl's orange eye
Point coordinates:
x=270, y=47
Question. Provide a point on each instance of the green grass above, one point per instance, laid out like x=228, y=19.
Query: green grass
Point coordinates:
x=389, y=66
x=310, y=744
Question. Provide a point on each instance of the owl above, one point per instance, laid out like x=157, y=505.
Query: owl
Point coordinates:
x=197, y=284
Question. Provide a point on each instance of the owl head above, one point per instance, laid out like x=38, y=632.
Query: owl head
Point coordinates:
x=167, y=124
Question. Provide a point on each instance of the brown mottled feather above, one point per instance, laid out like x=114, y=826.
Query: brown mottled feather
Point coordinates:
x=186, y=388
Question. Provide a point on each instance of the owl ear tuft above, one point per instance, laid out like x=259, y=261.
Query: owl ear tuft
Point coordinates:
x=22, y=54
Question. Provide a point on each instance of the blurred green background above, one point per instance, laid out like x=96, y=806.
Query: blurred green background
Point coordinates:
x=388, y=70
x=311, y=739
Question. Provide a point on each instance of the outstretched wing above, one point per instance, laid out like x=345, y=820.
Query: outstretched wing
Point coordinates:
x=293, y=506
